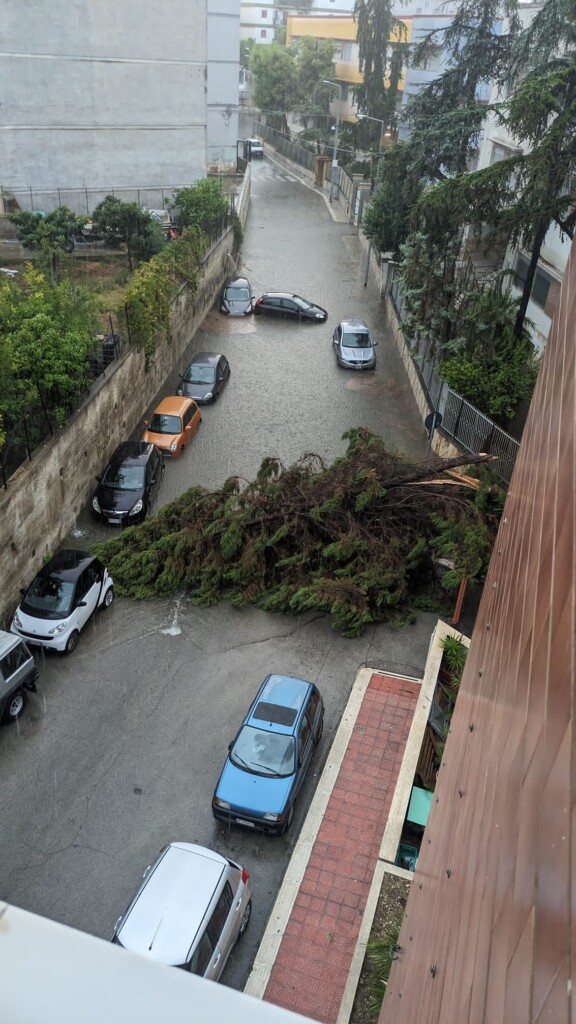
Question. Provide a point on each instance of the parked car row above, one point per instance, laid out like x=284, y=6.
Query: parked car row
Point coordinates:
x=129, y=482
x=353, y=345
x=194, y=904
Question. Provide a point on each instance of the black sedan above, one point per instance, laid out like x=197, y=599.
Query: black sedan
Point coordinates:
x=204, y=378
x=290, y=306
x=127, y=485
x=236, y=297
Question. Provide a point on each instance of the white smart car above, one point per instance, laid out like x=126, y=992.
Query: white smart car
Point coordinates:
x=61, y=599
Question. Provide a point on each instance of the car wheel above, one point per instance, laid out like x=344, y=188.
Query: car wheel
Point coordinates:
x=245, y=919
x=320, y=731
x=108, y=597
x=15, y=707
x=72, y=641
x=288, y=821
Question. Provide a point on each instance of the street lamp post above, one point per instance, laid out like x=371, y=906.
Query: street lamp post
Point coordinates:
x=336, y=85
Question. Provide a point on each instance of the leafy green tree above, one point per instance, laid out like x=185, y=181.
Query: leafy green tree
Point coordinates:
x=203, y=205
x=446, y=115
x=129, y=223
x=48, y=332
x=386, y=221
x=276, y=90
x=314, y=61
x=49, y=234
x=382, y=52
x=39, y=231
x=495, y=370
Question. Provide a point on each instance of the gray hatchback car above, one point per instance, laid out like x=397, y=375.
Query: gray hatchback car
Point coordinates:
x=353, y=345
x=191, y=907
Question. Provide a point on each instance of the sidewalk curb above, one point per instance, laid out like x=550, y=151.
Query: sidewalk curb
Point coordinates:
x=280, y=914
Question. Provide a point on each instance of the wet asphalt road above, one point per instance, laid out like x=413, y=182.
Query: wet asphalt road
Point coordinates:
x=286, y=394
x=121, y=747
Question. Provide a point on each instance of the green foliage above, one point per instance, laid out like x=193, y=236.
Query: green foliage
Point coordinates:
x=380, y=953
x=127, y=222
x=47, y=232
x=46, y=333
x=298, y=539
x=276, y=89
x=387, y=218
x=492, y=369
x=455, y=653
x=147, y=298
x=313, y=62
x=382, y=50
x=203, y=206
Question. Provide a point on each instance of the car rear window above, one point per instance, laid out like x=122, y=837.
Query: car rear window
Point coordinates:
x=276, y=713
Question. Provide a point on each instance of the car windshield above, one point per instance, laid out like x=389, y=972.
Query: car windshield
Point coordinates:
x=301, y=303
x=356, y=339
x=237, y=294
x=160, y=424
x=263, y=752
x=199, y=375
x=124, y=478
x=49, y=598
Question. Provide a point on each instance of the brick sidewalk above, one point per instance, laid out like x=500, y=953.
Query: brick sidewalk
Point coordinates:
x=311, y=968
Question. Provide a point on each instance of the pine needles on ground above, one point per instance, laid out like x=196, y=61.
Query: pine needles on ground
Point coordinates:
x=357, y=539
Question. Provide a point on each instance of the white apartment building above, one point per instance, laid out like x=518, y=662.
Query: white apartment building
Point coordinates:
x=99, y=95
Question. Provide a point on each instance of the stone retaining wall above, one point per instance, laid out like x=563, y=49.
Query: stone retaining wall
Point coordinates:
x=45, y=495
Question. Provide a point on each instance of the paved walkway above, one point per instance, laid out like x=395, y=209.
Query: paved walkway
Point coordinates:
x=310, y=965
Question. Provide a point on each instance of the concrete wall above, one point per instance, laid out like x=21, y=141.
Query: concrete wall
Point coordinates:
x=102, y=94
x=45, y=495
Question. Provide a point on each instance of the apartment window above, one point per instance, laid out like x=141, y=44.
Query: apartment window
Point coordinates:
x=262, y=33
x=346, y=51
x=265, y=13
x=541, y=284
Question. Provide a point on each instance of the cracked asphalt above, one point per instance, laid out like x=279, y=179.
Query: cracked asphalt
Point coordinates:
x=120, y=749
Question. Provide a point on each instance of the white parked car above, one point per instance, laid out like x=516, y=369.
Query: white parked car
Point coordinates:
x=191, y=907
x=61, y=599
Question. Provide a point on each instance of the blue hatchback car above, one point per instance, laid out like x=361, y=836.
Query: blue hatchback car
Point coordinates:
x=268, y=760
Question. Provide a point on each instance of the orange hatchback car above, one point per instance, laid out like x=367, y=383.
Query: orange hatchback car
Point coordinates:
x=173, y=425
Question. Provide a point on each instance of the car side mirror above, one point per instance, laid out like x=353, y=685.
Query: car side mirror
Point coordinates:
x=81, y=604
x=22, y=591
x=99, y=479
x=230, y=745
x=153, y=481
x=145, y=423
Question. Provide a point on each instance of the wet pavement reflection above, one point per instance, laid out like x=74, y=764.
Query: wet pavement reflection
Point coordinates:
x=286, y=395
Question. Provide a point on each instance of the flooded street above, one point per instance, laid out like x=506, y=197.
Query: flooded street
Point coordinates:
x=286, y=395
x=119, y=751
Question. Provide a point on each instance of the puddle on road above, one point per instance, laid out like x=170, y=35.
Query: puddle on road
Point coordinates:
x=376, y=387
x=218, y=324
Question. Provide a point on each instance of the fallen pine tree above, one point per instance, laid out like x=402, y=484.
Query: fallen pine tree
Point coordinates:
x=359, y=539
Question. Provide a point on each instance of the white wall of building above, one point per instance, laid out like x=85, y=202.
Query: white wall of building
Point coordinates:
x=223, y=62
x=102, y=94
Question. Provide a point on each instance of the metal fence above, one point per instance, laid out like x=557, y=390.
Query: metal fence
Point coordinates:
x=461, y=421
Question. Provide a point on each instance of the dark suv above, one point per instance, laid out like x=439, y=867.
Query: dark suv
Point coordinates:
x=125, y=489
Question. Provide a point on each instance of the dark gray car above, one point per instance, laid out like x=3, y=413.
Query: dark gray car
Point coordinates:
x=353, y=346
x=236, y=297
x=204, y=378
